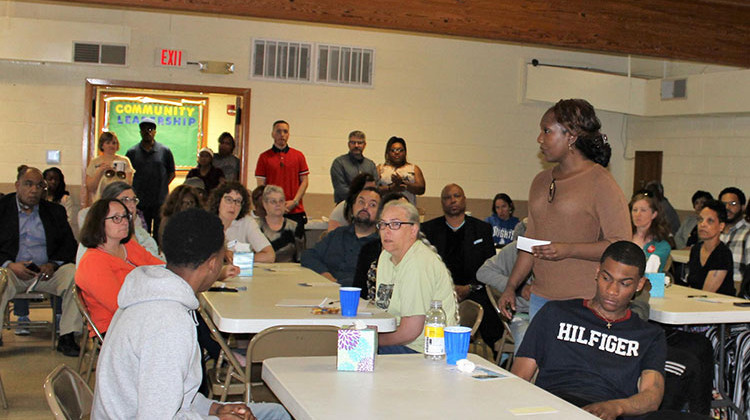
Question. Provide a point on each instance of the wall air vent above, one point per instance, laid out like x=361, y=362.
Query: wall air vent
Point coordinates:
x=674, y=89
x=99, y=53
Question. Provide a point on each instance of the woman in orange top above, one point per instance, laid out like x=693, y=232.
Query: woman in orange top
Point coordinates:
x=110, y=256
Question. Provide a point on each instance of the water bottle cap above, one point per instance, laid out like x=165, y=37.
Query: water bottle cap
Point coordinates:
x=436, y=304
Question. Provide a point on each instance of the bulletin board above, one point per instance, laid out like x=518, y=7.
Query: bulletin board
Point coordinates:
x=181, y=122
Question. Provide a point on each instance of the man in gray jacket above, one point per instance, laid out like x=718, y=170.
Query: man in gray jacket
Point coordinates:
x=149, y=367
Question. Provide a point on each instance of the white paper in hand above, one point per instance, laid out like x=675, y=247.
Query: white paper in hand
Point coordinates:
x=525, y=244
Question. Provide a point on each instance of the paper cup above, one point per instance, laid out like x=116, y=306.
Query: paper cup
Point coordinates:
x=456, y=343
x=349, y=297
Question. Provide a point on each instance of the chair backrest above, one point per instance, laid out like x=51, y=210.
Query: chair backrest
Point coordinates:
x=78, y=297
x=68, y=395
x=470, y=315
x=291, y=341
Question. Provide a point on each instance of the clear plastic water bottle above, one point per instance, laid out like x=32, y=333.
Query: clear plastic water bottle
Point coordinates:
x=434, y=332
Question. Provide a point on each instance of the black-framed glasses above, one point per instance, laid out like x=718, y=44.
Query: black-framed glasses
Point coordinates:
x=40, y=185
x=552, y=191
x=730, y=203
x=118, y=218
x=229, y=200
x=128, y=200
x=109, y=173
x=392, y=225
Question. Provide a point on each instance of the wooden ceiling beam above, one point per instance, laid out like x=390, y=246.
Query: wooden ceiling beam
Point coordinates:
x=707, y=31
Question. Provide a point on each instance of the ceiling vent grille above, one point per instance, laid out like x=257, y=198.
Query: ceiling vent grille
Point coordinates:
x=99, y=53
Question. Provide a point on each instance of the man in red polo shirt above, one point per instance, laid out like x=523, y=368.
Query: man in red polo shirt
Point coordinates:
x=286, y=167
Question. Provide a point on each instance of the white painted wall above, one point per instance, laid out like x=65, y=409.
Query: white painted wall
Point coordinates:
x=455, y=101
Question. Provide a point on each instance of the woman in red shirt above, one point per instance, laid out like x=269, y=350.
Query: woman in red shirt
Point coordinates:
x=110, y=256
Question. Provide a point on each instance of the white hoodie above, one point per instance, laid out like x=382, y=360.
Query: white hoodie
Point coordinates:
x=149, y=367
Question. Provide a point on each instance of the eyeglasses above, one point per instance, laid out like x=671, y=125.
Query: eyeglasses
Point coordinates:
x=275, y=202
x=40, y=185
x=730, y=203
x=128, y=200
x=118, y=218
x=397, y=150
x=229, y=200
x=392, y=225
x=109, y=173
x=552, y=190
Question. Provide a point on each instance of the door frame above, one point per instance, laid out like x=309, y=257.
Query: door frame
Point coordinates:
x=241, y=134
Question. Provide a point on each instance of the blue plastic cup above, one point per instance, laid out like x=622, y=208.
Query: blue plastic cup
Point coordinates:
x=456, y=343
x=349, y=297
x=657, y=284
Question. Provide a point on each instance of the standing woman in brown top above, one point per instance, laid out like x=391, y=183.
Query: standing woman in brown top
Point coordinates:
x=577, y=205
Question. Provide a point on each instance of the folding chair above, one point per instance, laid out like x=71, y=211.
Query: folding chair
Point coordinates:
x=68, y=396
x=285, y=341
x=36, y=300
x=470, y=315
x=96, y=341
x=227, y=377
x=506, y=344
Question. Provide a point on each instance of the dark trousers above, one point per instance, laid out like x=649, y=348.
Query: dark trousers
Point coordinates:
x=300, y=218
x=689, y=372
x=152, y=218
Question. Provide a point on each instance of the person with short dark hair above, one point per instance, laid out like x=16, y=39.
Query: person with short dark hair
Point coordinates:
x=37, y=251
x=736, y=233
x=341, y=215
x=347, y=166
x=710, y=266
x=596, y=353
x=149, y=366
x=211, y=176
x=335, y=256
x=399, y=175
x=225, y=159
x=231, y=202
x=687, y=234
x=56, y=191
x=502, y=220
x=111, y=255
x=656, y=190
x=286, y=167
x=154, y=171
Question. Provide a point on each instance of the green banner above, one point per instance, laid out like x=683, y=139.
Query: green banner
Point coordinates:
x=179, y=125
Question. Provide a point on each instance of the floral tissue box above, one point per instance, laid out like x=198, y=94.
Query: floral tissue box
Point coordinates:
x=356, y=349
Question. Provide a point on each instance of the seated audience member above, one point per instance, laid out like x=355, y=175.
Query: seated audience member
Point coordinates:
x=495, y=273
x=342, y=213
x=287, y=240
x=710, y=266
x=656, y=190
x=596, y=353
x=410, y=275
x=126, y=194
x=149, y=366
x=650, y=230
x=38, y=248
x=107, y=165
x=257, y=196
x=231, y=202
x=736, y=233
x=502, y=220
x=199, y=186
x=56, y=191
x=225, y=159
x=183, y=197
x=687, y=234
x=465, y=242
x=211, y=176
x=335, y=256
x=111, y=254
x=367, y=261
x=397, y=174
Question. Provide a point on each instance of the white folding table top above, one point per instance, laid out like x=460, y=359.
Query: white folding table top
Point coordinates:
x=683, y=306
x=405, y=387
x=254, y=309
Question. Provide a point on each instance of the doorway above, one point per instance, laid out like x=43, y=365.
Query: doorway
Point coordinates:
x=93, y=117
x=647, y=168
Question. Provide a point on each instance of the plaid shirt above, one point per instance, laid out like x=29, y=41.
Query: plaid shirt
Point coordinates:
x=737, y=241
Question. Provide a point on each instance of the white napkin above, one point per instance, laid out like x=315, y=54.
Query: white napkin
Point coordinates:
x=653, y=264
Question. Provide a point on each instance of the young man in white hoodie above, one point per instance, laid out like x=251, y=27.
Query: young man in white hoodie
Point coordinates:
x=149, y=367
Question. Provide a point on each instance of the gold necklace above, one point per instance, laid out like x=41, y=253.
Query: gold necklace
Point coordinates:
x=609, y=322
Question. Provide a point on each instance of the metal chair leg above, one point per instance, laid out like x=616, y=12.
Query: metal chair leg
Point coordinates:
x=2, y=395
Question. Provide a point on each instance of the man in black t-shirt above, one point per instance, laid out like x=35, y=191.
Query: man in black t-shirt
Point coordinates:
x=596, y=353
